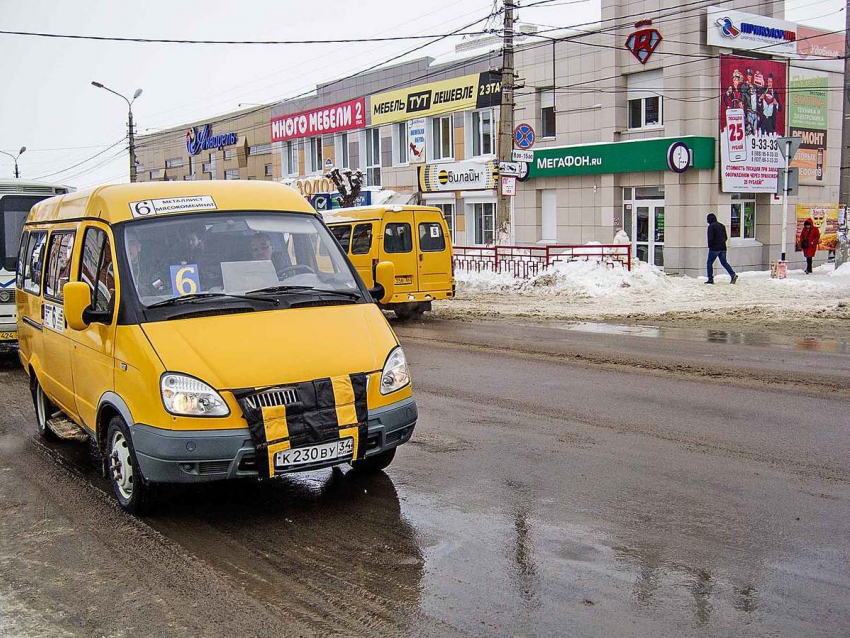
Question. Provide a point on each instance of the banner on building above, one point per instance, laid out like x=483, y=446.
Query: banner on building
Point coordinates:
x=416, y=141
x=345, y=116
x=821, y=49
x=750, y=32
x=825, y=219
x=476, y=91
x=752, y=118
x=458, y=176
x=808, y=106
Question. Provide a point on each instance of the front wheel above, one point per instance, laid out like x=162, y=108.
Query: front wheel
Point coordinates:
x=44, y=409
x=130, y=487
x=374, y=463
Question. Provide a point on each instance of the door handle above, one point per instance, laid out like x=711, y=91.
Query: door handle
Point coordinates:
x=421, y=256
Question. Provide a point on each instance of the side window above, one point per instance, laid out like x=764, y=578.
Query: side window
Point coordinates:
x=34, y=263
x=58, y=264
x=96, y=268
x=431, y=237
x=22, y=260
x=343, y=235
x=361, y=242
x=398, y=238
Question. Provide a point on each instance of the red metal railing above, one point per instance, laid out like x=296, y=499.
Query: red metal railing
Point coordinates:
x=528, y=261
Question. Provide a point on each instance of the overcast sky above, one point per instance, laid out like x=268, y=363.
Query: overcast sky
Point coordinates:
x=50, y=107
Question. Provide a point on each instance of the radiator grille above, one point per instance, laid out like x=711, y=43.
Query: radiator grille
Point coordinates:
x=213, y=467
x=272, y=398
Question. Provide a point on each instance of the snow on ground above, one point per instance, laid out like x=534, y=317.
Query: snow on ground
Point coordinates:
x=598, y=291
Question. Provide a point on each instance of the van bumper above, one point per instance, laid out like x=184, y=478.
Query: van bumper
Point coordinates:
x=169, y=456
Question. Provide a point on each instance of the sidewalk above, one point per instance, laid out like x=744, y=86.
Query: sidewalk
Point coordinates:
x=805, y=305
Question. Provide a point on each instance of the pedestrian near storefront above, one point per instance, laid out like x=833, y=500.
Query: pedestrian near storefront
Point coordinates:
x=809, y=240
x=717, y=249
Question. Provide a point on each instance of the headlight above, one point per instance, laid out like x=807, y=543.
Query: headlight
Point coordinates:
x=188, y=396
x=395, y=374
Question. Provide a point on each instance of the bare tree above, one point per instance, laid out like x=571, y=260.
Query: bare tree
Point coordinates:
x=348, y=183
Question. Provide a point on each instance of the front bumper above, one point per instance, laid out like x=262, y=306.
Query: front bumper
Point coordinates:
x=169, y=456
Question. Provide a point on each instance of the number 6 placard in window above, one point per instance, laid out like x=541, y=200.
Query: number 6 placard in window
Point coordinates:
x=752, y=118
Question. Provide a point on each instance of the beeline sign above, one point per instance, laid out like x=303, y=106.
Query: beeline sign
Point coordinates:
x=344, y=116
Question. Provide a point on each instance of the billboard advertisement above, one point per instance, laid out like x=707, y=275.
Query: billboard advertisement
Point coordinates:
x=345, y=116
x=752, y=118
x=808, y=104
x=825, y=219
x=750, y=32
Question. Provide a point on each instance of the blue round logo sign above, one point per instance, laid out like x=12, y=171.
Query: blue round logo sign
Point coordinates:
x=524, y=137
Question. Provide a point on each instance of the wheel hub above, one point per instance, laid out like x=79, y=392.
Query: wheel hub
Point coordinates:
x=121, y=466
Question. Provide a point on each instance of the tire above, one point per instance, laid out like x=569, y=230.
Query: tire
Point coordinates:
x=133, y=492
x=375, y=463
x=44, y=408
x=403, y=312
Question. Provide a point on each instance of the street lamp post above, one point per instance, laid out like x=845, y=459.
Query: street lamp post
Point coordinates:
x=129, y=125
x=15, y=159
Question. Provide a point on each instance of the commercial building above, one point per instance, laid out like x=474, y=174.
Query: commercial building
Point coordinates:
x=666, y=114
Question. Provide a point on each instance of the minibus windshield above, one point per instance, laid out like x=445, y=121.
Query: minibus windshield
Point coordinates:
x=234, y=253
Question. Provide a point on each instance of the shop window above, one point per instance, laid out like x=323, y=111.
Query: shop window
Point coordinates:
x=289, y=159
x=58, y=264
x=260, y=149
x=398, y=238
x=343, y=235
x=449, y=216
x=35, y=262
x=231, y=173
x=401, y=139
x=484, y=217
x=361, y=239
x=341, y=150
x=743, y=216
x=174, y=162
x=547, y=113
x=431, y=237
x=482, y=133
x=96, y=268
x=268, y=170
x=373, y=156
x=442, y=137
x=315, y=154
x=188, y=178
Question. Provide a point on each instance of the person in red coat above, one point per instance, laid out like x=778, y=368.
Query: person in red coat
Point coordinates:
x=809, y=239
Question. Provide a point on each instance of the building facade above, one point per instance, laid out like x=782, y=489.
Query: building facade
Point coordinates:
x=664, y=115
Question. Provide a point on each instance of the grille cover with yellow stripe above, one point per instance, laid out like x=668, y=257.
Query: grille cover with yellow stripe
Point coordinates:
x=326, y=410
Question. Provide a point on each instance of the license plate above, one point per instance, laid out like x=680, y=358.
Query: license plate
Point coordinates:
x=8, y=336
x=404, y=279
x=314, y=454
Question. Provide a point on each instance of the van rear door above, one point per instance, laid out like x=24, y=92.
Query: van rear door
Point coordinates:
x=434, y=267
x=398, y=247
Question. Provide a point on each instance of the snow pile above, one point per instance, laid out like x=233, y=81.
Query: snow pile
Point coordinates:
x=841, y=271
x=576, y=279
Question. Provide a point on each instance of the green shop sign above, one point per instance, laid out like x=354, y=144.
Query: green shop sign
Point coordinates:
x=618, y=157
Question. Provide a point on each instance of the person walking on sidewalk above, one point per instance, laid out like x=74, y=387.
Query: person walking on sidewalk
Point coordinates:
x=717, y=248
x=809, y=240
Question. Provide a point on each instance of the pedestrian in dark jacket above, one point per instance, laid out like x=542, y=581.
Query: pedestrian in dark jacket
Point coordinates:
x=809, y=240
x=717, y=248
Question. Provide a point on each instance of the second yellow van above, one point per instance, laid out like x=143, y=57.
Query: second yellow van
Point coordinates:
x=205, y=331
x=415, y=239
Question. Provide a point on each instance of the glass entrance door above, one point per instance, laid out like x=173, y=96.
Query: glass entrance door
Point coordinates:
x=643, y=220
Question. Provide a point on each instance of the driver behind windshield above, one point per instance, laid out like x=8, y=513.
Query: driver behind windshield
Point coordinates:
x=262, y=250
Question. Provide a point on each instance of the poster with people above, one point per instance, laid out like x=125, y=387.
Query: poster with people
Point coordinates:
x=752, y=118
x=825, y=218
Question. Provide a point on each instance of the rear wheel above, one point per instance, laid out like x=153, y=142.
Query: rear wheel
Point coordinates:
x=403, y=311
x=131, y=489
x=44, y=409
x=374, y=463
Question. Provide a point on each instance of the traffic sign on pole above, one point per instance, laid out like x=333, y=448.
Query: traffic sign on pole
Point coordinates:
x=524, y=137
x=791, y=150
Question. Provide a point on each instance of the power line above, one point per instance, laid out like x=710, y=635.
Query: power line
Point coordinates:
x=88, y=159
x=103, y=38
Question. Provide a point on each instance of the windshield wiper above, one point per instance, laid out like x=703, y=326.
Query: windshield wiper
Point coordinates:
x=271, y=290
x=200, y=296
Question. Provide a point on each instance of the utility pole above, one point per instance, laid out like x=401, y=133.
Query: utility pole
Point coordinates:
x=131, y=133
x=506, y=115
x=842, y=252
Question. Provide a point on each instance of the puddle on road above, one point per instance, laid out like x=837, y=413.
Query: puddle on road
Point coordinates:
x=701, y=335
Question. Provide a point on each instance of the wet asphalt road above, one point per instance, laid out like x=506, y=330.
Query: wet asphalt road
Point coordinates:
x=622, y=486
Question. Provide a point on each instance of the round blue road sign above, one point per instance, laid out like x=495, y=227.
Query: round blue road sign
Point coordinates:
x=524, y=137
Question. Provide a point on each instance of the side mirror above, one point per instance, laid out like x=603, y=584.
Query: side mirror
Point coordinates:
x=77, y=300
x=384, y=282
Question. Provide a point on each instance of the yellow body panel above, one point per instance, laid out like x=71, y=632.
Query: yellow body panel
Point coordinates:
x=420, y=275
